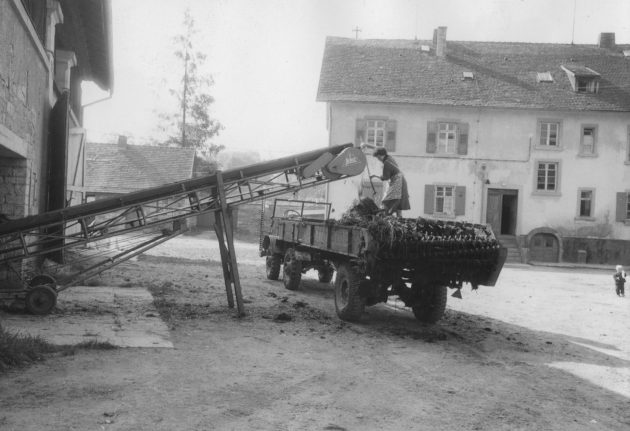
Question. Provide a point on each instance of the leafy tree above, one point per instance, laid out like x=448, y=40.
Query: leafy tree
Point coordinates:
x=191, y=126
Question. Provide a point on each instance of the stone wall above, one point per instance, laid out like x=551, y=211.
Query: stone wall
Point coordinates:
x=598, y=250
x=25, y=103
x=24, y=108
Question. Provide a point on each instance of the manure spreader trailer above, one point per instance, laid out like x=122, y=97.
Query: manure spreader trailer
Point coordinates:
x=377, y=256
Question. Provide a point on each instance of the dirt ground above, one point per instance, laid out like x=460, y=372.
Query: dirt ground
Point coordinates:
x=545, y=349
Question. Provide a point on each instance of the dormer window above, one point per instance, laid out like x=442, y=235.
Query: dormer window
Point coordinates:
x=544, y=77
x=583, y=79
x=585, y=85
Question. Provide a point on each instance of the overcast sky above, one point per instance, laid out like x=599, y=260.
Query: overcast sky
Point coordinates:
x=265, y=55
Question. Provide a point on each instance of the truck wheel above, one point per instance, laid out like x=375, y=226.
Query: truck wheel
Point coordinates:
x=348, y=303
x=273, y=263
x=40, y=299
x=431, y=303
x=292, y=270
x=325, y=272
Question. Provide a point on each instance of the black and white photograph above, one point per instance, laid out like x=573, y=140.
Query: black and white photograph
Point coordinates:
x=327, y=215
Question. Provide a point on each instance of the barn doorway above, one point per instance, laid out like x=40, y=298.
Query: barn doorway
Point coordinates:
x=501, y=210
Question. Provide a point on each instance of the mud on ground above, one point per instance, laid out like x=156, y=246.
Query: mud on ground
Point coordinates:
x=503, y=358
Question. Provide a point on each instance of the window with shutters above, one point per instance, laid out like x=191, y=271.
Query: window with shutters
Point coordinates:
x=444, y=200
x=623, y=207
x=588, y=140
x=549, y=134
x=376, y=132
x=547, y=176
x=585, y=203
x=447, y=138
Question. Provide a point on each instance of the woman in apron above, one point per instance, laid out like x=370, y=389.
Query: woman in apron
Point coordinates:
x=397, y=197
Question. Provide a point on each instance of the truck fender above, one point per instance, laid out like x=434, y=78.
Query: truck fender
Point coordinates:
x=272, y=245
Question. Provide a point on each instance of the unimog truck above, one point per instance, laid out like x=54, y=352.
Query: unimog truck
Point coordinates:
x=376, y=257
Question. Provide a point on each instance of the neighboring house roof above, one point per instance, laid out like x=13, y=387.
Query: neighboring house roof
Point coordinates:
x=87, y=31
x=116, y=168
x=505, y=74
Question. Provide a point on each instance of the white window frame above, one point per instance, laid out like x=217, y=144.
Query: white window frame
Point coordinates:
x=584, y=148
x=547, y=164
x=443, y=202
x=590, y=84
x=580, y=199
x=545, y=134
x=445, y=143
x=375, y=132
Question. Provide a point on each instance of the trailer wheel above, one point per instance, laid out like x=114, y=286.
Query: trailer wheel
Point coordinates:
x=431, y=303
x=325, y=272
x=292, y=273
x=348, y=303
x=41, y=299
x=273, y=264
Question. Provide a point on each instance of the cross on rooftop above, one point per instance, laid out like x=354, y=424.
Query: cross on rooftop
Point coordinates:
x=356, y=31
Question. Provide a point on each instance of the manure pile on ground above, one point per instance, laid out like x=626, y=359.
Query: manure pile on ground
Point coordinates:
x=420, y=237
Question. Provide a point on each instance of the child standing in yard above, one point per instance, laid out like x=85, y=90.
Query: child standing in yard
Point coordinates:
x=620, y=280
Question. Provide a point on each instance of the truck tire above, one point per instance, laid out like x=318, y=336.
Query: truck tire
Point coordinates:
x=348, y=303
x=325, y=272
x=292, y=273
x=431, y=303
x=273, y=264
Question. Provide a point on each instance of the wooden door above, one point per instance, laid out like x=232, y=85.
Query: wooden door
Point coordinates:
x=493, y=210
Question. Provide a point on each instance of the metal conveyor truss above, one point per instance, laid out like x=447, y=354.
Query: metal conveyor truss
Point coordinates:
x=141, y=220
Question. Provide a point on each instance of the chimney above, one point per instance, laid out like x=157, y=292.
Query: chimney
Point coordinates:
x=607, y=40
x=439, y=41
x=122, y=141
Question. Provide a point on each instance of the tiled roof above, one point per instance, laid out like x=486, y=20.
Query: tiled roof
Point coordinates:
x=505, y=74
x=115, y=168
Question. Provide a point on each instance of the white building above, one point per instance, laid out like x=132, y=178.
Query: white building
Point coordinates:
x=533, y=139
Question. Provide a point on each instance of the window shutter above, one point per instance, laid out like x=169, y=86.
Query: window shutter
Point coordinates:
x=432, y=128
x=429, y=198
x=390, y=138
x=460, y=200
x=462, y=144
x=622, y=205
x=359, y=136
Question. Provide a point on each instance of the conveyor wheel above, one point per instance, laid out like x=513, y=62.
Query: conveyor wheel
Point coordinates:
x=41, y=299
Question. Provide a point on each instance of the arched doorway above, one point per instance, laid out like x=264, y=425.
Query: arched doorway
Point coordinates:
x=544, y=247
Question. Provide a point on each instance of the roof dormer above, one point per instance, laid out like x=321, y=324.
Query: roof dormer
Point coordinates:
x=583, y=79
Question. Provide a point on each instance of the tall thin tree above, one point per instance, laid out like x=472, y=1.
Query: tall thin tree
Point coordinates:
x=191, y=125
